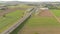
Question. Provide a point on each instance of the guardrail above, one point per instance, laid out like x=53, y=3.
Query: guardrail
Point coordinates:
x=9, y=30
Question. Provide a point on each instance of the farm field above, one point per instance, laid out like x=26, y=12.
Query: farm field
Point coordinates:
x=26, y=6
x=56, y=12
x=29, y=17
x=14, y=8
x=10, y=19
x=43, y=23
x=21, y=6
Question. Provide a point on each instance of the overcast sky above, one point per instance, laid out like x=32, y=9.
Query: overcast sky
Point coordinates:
x=33, y=0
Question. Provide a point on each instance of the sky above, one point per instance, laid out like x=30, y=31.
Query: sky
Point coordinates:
x=34, y=0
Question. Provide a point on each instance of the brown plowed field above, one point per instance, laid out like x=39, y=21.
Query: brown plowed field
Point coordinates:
x=45, y=13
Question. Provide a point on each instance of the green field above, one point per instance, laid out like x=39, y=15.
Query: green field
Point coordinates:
x=10, y=19
x=42, y=21
x=26, y=6
x=21, y=6
x=56, y=12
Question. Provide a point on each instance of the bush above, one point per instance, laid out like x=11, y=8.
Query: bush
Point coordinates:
x=4, y=15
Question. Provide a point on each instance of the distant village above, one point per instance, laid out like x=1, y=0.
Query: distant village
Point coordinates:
x=50, y=5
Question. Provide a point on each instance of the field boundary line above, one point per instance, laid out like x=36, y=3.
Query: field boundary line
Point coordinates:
x=55, y=16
